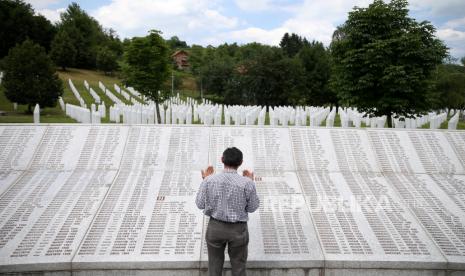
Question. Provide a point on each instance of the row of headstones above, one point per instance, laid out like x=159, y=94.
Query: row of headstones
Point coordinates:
x=109, y=94
x=84, y=115
x=92, y=92
x=122, y=92
x=435, y=120
x=454, y=120
x=80, y=114
x=76, y=94
x=178, y=111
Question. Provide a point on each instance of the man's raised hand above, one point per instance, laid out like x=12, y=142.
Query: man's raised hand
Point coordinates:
x=248, y=174
x=208, y=171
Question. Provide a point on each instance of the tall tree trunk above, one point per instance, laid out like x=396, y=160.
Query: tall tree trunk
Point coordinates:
x=157, y=107
x=389, y=119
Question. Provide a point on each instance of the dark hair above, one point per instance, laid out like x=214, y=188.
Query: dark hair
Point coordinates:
x=232, y=157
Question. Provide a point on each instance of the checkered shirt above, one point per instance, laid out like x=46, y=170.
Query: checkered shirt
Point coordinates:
x=227, y=196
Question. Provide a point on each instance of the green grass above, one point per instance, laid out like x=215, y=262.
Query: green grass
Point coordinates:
x=47, y=115
x=92, y=77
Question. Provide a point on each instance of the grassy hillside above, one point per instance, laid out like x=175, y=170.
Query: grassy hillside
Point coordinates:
x=55, y=114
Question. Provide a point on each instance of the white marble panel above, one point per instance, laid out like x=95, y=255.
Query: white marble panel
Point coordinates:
x=185, y=149
x=438, y=203
x=45, y=215
x=457, y=141
x=435, y=153
x=313, y=150
x=60, y=148
x=146, y=148
x=145, y=224
x=270, y=184
x=7, y=178
x=103, y=147
x=353, y=151
x=415, y=151
x=281, y=235
x=361, y=222
x=394, y=151
x=266, y=149
x=17, y=145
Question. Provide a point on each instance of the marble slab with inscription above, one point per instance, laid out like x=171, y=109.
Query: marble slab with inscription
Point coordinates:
x=45, y=215
x=457, y=140
x=281, y=232
x=148, y=220
x=332, y=150
x=17, y=146
x=410, y=151
x=7, y=178
x=264, y=149
x=361, y=222
x=83, y=147
x=122, y=197
x=166, y=148
x=438, y=201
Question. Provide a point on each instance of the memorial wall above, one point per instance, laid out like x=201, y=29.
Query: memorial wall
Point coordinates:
x=119, y=197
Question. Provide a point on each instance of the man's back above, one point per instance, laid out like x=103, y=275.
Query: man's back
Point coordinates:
x=228, y=196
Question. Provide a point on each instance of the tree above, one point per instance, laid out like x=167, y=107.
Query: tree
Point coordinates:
x=266, y=79
x=215, y=73
x=450, y=85
x=462, y=60
x=18, y=22
x=106, y=60
x=174, y=43
x=291, y=44
x=85, y=33
x=30, y=76
x=316, y=61
x=63, y=52
x=146, y=65
x=383, y=60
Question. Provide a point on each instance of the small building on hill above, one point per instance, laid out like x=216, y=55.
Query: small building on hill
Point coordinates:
x=180, y=58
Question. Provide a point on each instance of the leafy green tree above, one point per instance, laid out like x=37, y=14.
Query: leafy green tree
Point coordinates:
x=30, y=76
x=462, y=60
x=106, y=60
x=450, y=85
x=63, y=52
x=267, y=79
x=175, y=43
x=291, y=44
x=146, y=65
x=316, y=61
x=18, y=22
x=196, y=58
x=113, y=42
x=216, y=72
x=85, y=33
x=383, y=60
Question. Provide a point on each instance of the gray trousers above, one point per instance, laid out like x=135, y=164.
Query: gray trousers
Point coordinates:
x=236, y=236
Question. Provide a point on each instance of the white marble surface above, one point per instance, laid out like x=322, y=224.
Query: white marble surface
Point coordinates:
x=264, y=149
x=45, y=215
x=148, y=220
x=122, y=197
x=7, y=178
x=415, y=151
x=17, y=145
x=361, y=222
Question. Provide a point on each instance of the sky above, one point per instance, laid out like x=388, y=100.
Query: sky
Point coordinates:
x=214, y=22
